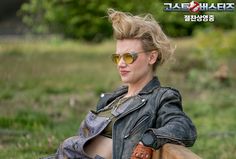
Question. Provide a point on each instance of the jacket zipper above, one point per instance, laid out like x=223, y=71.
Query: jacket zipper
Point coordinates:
x=135, y=128
x=136, y=108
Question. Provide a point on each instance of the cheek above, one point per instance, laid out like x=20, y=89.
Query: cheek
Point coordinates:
x=140, y=65
x=142, y=62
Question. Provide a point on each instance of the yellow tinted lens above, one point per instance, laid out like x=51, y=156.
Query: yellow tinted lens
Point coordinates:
x=128, y=58
x=115, y=58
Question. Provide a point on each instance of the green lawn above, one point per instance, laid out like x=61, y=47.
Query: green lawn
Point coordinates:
x=47, y=85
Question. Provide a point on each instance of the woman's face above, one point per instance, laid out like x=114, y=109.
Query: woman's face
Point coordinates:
x=140, y=69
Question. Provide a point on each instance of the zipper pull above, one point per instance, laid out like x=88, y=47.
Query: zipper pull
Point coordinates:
x=126, y=136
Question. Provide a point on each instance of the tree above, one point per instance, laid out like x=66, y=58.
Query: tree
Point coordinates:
x=86, y=19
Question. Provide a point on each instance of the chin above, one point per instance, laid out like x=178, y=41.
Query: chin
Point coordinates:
x=125, y=79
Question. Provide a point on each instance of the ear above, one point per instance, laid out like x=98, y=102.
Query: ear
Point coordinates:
x=153, y=57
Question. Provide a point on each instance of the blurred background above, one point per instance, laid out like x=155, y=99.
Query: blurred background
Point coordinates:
x=55, y=63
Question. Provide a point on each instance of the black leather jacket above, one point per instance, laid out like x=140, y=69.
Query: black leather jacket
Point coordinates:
x=156, y=109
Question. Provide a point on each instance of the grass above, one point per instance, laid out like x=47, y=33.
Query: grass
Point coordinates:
x=47, y=85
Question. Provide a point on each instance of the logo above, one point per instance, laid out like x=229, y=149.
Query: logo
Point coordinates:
x=194, y=7
x=197, y=8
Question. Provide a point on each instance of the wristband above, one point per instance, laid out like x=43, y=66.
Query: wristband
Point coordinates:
x=142, y=152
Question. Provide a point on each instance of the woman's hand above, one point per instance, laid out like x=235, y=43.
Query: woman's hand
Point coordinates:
x=142, y=152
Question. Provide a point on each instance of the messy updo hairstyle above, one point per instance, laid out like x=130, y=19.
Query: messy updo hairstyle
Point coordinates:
x=145, y=28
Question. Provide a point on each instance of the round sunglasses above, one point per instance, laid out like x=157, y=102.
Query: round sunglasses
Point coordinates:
x=128, y=57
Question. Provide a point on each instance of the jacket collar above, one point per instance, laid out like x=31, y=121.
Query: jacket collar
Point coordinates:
x=153, y=84
x=148, y=88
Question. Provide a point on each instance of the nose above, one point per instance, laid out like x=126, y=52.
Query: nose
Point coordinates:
x=121, y=63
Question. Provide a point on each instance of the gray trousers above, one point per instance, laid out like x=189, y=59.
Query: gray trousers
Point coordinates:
x=72, y=148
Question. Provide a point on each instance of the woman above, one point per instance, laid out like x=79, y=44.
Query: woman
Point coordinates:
x=141, y=116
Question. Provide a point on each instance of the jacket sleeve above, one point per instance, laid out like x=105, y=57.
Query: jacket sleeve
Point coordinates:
x=172, y=124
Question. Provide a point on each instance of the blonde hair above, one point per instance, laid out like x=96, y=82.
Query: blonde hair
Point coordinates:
x=145, y=28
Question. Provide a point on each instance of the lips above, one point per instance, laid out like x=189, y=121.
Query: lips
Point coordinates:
x=124, y=72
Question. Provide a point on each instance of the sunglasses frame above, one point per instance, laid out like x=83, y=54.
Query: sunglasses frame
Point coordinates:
x=133, y=54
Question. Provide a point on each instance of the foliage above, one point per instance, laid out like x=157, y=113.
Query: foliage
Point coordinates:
x=87, y=20
x=205, y=64
x=215, y=44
